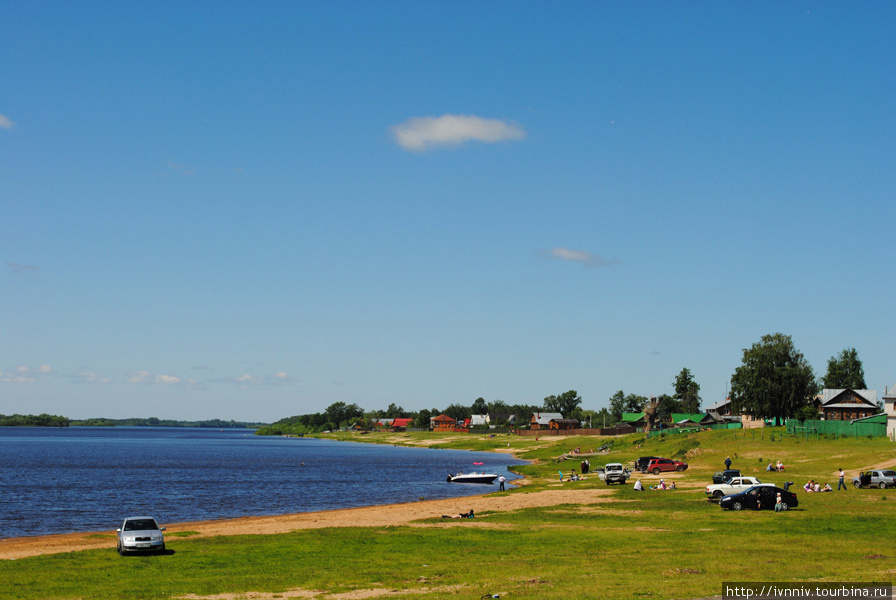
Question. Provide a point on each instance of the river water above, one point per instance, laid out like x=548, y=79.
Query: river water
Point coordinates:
x=57, y=480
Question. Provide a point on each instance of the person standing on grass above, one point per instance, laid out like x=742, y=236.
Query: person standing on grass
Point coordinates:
x=841, y=484
x=501, y=481
x=728, y=463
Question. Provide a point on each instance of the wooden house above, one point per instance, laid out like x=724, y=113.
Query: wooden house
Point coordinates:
x=848, y=404
x=542, y=420
x=442, y=423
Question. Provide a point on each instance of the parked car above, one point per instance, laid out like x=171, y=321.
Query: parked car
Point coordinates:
x=759, y=497
x=642, y=462
x=723, y=476
x=881, y=479
x=732, y=486
x=140, y=534
x=614, y=473
x=658, y=465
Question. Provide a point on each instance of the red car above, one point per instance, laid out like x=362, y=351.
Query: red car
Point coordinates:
x=658, y=465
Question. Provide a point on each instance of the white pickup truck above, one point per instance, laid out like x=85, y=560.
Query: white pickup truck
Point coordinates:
x=732, y=486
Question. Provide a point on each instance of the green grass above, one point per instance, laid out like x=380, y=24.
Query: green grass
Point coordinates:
x=671, y=544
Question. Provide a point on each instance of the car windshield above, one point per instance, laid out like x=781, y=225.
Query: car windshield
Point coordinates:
x=140, y=525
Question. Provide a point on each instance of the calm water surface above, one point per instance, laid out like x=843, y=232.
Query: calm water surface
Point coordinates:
x=55, y=480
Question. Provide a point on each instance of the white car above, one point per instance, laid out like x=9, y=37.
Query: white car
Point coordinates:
x=732, y=486
x=140, y=534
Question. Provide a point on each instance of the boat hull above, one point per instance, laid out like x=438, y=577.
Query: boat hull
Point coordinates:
x=473, y=478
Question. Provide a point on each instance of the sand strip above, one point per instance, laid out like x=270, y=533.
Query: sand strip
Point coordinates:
x=370, y=516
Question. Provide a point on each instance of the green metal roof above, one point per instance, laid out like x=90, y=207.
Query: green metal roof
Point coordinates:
x=632, y=417
x=695, y=417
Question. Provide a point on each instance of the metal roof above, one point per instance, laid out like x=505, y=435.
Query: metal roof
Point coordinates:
x=869, y=396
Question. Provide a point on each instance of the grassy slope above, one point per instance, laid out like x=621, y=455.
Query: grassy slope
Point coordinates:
x=671, y=544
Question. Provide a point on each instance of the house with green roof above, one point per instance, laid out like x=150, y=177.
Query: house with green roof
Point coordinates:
x=686, y=419
x=635, y=420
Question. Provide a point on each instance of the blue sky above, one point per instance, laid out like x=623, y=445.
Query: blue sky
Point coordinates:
x=249, y=212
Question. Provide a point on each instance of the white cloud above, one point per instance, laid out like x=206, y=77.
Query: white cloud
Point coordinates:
x=44, y=369
x=246, y=379
x=167, y=379
x=5, y=123
x=88, y=377
x=280, y=375
x=422, y=133
x=13, y=378
x=22, y=369
x=138, y=377
x=586, y=258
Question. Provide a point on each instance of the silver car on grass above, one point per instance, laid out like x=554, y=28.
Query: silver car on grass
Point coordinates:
x=140, y=534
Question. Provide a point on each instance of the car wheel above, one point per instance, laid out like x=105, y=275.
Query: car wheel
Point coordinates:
x=883, y=485
x=120, y=550
x=737, y=506
x=656, y=471
x=717, y=495
x=857, y=484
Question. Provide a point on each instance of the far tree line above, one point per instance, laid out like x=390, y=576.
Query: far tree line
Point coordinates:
x=774, y=381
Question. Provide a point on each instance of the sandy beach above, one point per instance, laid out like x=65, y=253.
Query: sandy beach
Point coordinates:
x=371, y=516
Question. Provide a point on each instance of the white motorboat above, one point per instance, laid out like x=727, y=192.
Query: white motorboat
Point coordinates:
x=472, y=478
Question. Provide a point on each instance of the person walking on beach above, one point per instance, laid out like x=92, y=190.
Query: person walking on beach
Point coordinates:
x=840, y=483
x=501, y=481
x=728, y=463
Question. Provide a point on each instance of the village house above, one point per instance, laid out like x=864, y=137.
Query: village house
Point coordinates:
x=563, y=424
x=691, y=419
x=496, y=419
x=442, y=423
x=848, y=404
x=479, y=421
x=401, y=424
x=542, y=420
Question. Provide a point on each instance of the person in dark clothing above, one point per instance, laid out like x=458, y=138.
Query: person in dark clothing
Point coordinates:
x=727, y=463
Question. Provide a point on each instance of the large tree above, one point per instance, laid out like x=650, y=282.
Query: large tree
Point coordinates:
x=634, y=403
x=687, y=392
x=479, y=407
x=774, y=381
x=845, y=371
x=617, y=406
x=564, y=404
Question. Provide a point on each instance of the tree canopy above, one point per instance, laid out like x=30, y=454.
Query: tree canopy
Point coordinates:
x=687, y=392
x=774, y=381
x=565, y=404
x=845, y=371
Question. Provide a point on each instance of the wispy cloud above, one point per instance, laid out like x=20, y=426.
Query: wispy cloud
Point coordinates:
x=148, y=378
x=418, y=134
x=18, y=268
x=247, y=379
x=179, y=169
x=580, y=256
x=138, y=377
x=25, y=374
x=90, y=377
x=5, y=123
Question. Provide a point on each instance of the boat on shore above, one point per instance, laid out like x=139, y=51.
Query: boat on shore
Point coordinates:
x=472, y=478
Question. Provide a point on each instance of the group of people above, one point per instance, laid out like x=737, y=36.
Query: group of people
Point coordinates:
x=662, y=485
x=811, y=486
x=778, y=466
x=573, y=476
